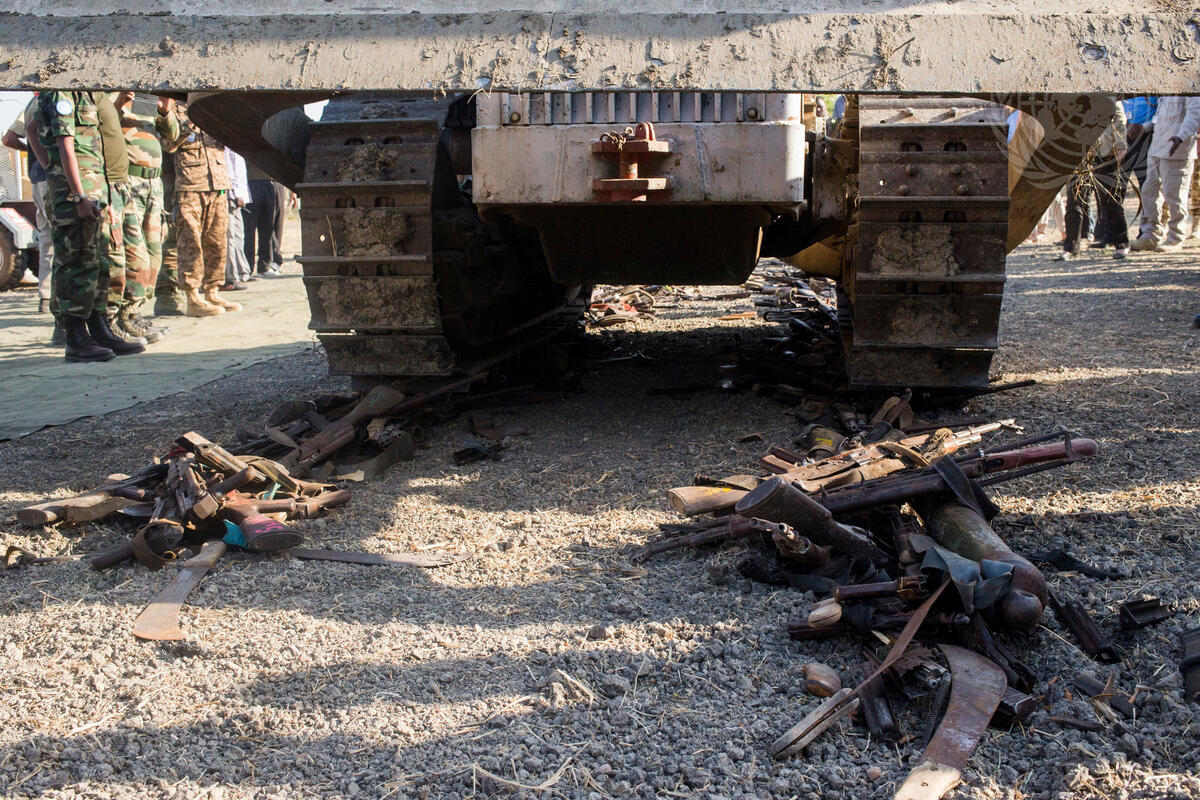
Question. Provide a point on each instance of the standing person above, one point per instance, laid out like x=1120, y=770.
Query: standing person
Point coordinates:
x=146, y=121
x=1171, y=158
x=1102, y=173
x=69, y=131
x=264, y=216
x=1139, y=132
x=22, y=135
x=122, y=251
x=237, y=267
x=201, y=183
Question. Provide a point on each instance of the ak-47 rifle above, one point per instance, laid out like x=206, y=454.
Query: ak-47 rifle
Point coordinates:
x=96, y=504
x=853, y=466
x=987, y=468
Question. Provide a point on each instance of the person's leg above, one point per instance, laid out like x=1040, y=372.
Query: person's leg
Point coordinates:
x=169, y=291
x=1136, y=156
x=281, y=209
x=140, y=275
x=1076, y=204
x=263, y=194
x=1100, y=228
x=190, y=219
x=1110, y=190
x=1150, y=230
x=148, y=196
x=45, y=247
x=1176, y=178
x=254, y=215
x=80, y=285
x=112, y=246
x=137, y=260
x=215, y=241
x=235, y=256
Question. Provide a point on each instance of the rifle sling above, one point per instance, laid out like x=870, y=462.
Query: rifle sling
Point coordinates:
x=144, y=553
x=966, y=490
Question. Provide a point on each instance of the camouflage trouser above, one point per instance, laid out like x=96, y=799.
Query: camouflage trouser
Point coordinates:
x=79, y=283
x=168, y=274
x=147, y=196
x=123, y=250
x=203, y=223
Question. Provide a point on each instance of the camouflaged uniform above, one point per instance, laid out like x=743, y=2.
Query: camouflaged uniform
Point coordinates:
x=122, y=248
x=144, y=138
x=78, y=280
x=169, y=289
x=201, y=182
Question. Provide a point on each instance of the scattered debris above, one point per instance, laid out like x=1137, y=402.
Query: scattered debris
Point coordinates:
x=1136, y=614
x=1076, y=619
x=1189, y=665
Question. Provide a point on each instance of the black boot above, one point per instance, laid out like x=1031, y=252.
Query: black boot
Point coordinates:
x=97, y=326
x=80, y=346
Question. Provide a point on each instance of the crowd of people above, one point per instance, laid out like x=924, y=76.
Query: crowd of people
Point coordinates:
x=1152, y=139
x=140, y=213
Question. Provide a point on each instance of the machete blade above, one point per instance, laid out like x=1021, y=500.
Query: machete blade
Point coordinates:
x=425, y=560
x=976, y=687
x=159, y=621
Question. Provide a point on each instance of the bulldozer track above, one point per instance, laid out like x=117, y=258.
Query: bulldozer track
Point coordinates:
x=931, y=227
x=403, y=278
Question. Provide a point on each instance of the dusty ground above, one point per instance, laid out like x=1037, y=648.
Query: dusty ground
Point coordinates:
x=547, y=661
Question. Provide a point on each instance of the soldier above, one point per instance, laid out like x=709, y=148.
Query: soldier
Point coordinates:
x=69, y=131
x=122, y=251
x=147, y=122
x=201, y=183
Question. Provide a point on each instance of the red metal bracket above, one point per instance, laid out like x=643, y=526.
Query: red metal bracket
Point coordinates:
x=630, y=148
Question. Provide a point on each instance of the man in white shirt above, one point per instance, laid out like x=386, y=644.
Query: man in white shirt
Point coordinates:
x=1169, y=164
x=237, y=268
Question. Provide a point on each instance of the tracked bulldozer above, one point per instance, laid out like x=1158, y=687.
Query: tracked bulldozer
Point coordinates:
x=475, y=171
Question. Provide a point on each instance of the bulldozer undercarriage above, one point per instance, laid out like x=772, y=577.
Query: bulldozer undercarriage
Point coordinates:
x=403, y=277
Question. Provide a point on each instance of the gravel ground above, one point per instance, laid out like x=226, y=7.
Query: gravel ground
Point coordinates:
x=548, y=666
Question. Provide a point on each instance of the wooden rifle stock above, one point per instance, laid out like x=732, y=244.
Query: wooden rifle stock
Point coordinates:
x=899, y=488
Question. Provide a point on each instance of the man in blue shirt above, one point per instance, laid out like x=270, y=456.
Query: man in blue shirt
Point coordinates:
x=1139, y=131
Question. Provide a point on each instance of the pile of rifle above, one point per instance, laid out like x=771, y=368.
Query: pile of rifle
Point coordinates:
x=199, y=496
x=196, y=492
x=890, y=530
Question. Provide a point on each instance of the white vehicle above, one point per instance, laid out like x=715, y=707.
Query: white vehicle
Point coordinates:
x=18, y=225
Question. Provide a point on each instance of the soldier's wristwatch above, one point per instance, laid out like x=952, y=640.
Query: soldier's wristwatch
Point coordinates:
x=76, y=198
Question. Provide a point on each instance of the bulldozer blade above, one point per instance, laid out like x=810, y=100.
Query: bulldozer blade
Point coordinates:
x=159, y=621
x=976, y=688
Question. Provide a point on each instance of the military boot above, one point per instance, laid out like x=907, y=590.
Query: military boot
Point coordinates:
x=170, y=304
x=214, y=298
x=98, y=326
x=197, y=306
x=135, y=325
x=59, y=337
x=148, y=328
x=80, y=345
